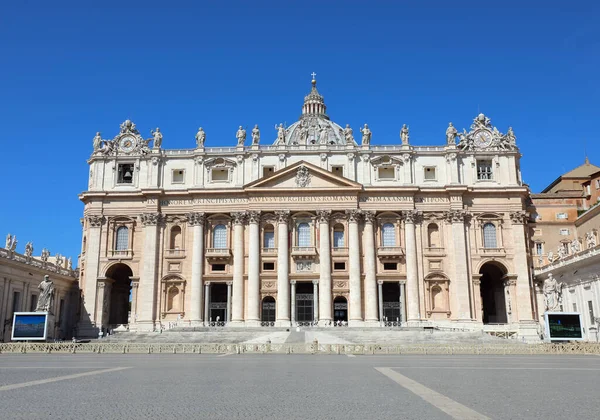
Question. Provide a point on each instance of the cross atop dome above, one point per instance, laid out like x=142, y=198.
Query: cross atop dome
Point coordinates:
x=314, y=76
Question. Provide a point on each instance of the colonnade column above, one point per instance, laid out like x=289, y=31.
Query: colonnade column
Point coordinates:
x=412, y=278
x=237, y=312
x=206, y=303
x=293, y=316
x=196, y=221
x=253, y=298
x=324, y=268
x=523, y=290
x=461, y=273
x=228, y=311
x=370, y=263
x=380, y=294
x=316, y=300
x=147, y=302
x=355, y=309
x=283, y=268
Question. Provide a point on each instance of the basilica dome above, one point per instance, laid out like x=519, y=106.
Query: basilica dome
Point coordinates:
x=314, y=126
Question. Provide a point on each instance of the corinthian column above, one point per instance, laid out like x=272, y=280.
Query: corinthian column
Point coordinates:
x=324, y=268
x=253, y=298
x=237, y=312
x=196, y=221
x=412, y=278
x=283, y=268
x=355, y=309
x=461, y=275
x=370, y=278
x=147, y=302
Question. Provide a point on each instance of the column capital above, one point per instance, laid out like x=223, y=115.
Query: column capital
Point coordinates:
x=456, y=216
x=293, y=282
x=150, y=219
x=196, y=219
x=380, y=282
x=207, y=283
x=412, y=216
x=323, y=216
x=369, y=216
x=253, y=216
x=315, y=282
x=229, y=283
x=283, y=216
x=519, y=217
x=238, y=217
x=94, y=220
x=354, y=215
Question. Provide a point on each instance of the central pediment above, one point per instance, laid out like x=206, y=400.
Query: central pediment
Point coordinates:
x=303, y=175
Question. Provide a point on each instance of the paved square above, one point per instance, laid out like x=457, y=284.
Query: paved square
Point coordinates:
x=297, y=387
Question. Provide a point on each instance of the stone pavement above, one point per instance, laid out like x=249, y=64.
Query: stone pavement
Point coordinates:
x=298, y=387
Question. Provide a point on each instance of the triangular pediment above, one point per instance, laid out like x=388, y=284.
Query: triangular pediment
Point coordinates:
x=303, y=175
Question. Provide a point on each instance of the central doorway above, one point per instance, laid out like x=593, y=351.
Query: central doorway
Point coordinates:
x=391, y=302
x=304, y=302
x=120, y=294
x=340, y=309
x=218, y=302
x=267, y=315
x=493, y=302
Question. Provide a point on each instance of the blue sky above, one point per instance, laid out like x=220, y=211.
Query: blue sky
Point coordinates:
x=71, y=69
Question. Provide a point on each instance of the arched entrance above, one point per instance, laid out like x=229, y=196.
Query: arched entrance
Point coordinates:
x=340, y=309
x=120, y=294
x=267, y=313
x=493, y=302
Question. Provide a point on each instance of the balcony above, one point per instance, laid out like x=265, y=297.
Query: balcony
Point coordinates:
x=175, y=253
x=269, y=251
x=492, y=252
x=303, y=251
x=121, y=254
x=218, y=254
x=390, y=252
x=339, y=251
x=434, y=251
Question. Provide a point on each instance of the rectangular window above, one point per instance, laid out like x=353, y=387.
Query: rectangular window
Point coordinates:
x=564, y=232
x=390, y=266
x=339, y=265
x=268, y=266
x=268, y=171
x=338, y=239
x=177, y=176
x=562, y=216
x=591, y=311
x=125, y=173
x=430, y=173
x=484, y=170
x=218, y=267
x=33, y=303
x=220, y=175
x=304, y=235
x=387, y=173
x=269, y=239
x=338, y=170
x=539, y=249
x=16, y=303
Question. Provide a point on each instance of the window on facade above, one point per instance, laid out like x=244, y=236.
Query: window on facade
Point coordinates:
x=218, y=267
x=268, y=171
x=387, y=173
x=303, y=234
x=430, y=174
x=390, y=266
x=562, y=216
x=489, y=236
x=16, y=303
x=484, y=170
x=220, y=237
x=122, y=242
x=125, y=173
x=220, y=175
x=338, y=170
x=388, y=234
x=591, y=311
x=433, y=235
x=176, y=237
x=33, y=303
x=564, y=232
x=539, y=248
x=339, y=265
x=268, y=266
x=338, y=236
x=178, y=176
x=269, y=237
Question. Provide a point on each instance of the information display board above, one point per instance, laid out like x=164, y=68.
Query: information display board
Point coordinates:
x=563, y=326
x=29, y=326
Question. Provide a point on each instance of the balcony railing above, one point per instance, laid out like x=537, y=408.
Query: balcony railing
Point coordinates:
x=175, y=253
x=491, y=251
x=269, y=250
x=121, y=253
x=391, y=251
x=220, y=253
x=298, y=251
x=339, y=250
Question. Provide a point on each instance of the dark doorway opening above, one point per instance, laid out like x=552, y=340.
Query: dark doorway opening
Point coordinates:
x=304, y=302
x=218, y=302
x=340, y=309
x=493, y=302
x=268, y=309
x=391, y=302
x=120, y=294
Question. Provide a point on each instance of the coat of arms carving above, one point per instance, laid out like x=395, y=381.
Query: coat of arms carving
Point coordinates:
x=303, y=177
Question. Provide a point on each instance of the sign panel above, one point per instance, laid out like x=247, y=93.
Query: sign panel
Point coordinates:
x=29, y=326
x=563, y=326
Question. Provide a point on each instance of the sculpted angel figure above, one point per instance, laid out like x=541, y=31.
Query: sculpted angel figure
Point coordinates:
x=255, y=135
x=200, y=137
x=404, y=136
x=510, y=136
x=366, y=135
x=241, y=136
x=97, y=141
x=157, y=136
x=451, y=134
x=280, y=134
x=28, y=249
x=575, y=245
x=562, y=252
x=8, y=241
x=590, y=240
x=13, y=244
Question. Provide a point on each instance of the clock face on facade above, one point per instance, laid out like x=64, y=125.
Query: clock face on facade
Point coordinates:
x=483, y=138
x=127, y=144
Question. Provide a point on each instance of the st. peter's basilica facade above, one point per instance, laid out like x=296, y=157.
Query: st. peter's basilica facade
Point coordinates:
x=321, y=227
